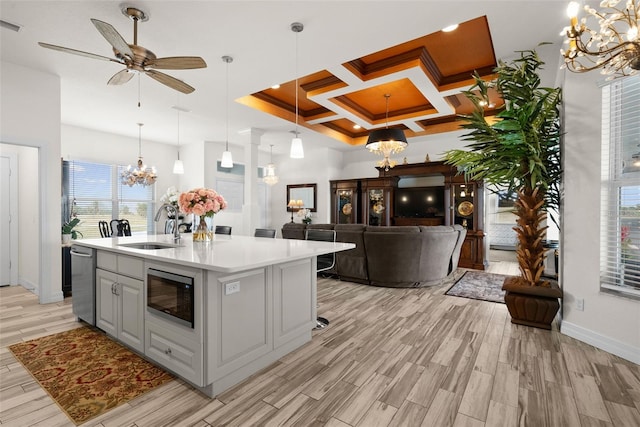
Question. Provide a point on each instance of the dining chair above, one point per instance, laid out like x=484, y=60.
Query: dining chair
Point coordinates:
x=105, y=231
x=223, y=229
x=324, y=262
x=120, y=227
x=265, y=232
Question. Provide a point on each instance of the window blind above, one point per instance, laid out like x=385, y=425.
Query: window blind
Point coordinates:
x=93, y=193
x=620, y=204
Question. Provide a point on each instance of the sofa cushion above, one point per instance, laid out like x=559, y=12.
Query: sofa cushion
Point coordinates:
x=293, y=230
x=393, y=259
x=437, y=248
x=393, y=229
x=351, y=265
x=321, y=226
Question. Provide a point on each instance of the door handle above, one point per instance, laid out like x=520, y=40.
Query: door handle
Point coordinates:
x=115, y=286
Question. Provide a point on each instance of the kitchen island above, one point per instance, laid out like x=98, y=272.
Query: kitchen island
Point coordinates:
x=242, y=302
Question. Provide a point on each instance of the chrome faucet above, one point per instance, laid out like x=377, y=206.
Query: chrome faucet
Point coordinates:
x=174, y=210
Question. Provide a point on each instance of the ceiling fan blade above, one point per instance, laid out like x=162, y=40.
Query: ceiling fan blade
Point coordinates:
x=121, y=77
x=177, y=63
x=78, y=52
x=172, y=82
x=113, y=37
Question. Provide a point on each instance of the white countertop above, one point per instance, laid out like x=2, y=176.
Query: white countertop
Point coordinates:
x=226, y=254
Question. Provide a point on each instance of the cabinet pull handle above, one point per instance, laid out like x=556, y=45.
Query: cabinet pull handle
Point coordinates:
x=115, y=285
x=112, y=288
x=167, y=351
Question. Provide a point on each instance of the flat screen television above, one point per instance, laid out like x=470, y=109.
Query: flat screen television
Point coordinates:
x=419, y=202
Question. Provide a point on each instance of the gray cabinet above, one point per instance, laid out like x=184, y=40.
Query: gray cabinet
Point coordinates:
x=120, y=298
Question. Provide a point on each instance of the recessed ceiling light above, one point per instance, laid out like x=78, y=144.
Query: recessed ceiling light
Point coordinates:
x=450, y=28
x=275, y=87
x=357, y=126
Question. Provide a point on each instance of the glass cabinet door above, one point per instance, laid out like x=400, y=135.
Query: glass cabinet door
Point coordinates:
x=345, y=207
x=463, y=207
x=376, y=207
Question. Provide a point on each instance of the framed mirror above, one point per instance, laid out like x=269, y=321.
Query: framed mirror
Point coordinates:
x=305, y=192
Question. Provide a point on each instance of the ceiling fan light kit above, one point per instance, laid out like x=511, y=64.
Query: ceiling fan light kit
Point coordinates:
x=137, y=58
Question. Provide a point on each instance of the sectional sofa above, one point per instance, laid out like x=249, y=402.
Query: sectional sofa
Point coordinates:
x=400, y=256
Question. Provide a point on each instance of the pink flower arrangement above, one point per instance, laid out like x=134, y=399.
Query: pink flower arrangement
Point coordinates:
x=201, y=202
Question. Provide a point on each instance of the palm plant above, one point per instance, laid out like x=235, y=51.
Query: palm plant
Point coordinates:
x=520, y=151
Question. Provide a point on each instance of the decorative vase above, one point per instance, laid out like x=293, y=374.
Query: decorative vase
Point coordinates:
x=66, y=239
x=202, y=233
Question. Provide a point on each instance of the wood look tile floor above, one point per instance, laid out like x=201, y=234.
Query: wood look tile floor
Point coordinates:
x=390, y=357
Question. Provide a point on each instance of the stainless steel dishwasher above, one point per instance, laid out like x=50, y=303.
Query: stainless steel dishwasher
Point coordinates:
x=83, y=283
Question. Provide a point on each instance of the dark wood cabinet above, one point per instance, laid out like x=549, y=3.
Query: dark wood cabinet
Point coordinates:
x=371, y=201
x=378, y=197
x=345, y=202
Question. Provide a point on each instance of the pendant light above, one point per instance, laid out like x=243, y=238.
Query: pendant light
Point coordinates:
x=178, y=166
x=227, y=160
x=297, y=151
x=141, y=175
x=270, y=177
x=386, y=141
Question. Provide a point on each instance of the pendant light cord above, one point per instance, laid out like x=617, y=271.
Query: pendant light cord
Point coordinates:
x=178, y=103
x=139, y=140
x=228, y=59
x=296, y=88
x=386, y=115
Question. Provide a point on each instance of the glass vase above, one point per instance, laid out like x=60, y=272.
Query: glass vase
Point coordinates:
x=202, y=233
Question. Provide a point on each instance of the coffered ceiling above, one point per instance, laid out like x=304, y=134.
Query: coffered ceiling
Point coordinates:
x=423, y=78
x=351, y=53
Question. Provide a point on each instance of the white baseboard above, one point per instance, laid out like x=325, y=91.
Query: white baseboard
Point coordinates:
x=602, y=342
x=30, y=286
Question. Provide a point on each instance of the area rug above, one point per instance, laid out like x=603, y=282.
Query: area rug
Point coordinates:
x=479, y=285
x=86, y=373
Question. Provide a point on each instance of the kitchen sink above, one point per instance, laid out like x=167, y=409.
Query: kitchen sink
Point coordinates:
x=150, y=245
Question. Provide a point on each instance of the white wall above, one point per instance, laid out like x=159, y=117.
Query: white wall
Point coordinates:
x=30, y=116
x=608, y=322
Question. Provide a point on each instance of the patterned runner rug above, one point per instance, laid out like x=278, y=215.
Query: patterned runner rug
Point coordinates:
x=479, y=285
x=86, y=373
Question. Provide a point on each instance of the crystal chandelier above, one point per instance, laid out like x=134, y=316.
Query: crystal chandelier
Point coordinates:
x=386, y=141
x=142, y=175
x=270, y=177
x=615, y=47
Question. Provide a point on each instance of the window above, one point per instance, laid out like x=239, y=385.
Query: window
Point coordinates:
x=620, y=216
x=93, y=192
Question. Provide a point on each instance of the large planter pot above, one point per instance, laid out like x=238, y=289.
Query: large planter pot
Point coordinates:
x=535, y=306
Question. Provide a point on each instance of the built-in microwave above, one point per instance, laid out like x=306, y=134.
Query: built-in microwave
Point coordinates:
x=170, y=295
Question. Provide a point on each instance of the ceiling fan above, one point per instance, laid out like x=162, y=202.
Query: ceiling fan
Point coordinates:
x=136, y=58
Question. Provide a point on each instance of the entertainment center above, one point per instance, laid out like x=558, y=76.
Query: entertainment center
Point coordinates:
x=430, y=193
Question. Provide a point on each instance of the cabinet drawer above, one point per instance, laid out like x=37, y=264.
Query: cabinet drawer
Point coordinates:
x=131, y=266
x=126, y=265
x=174, y=352
x=107, y=261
